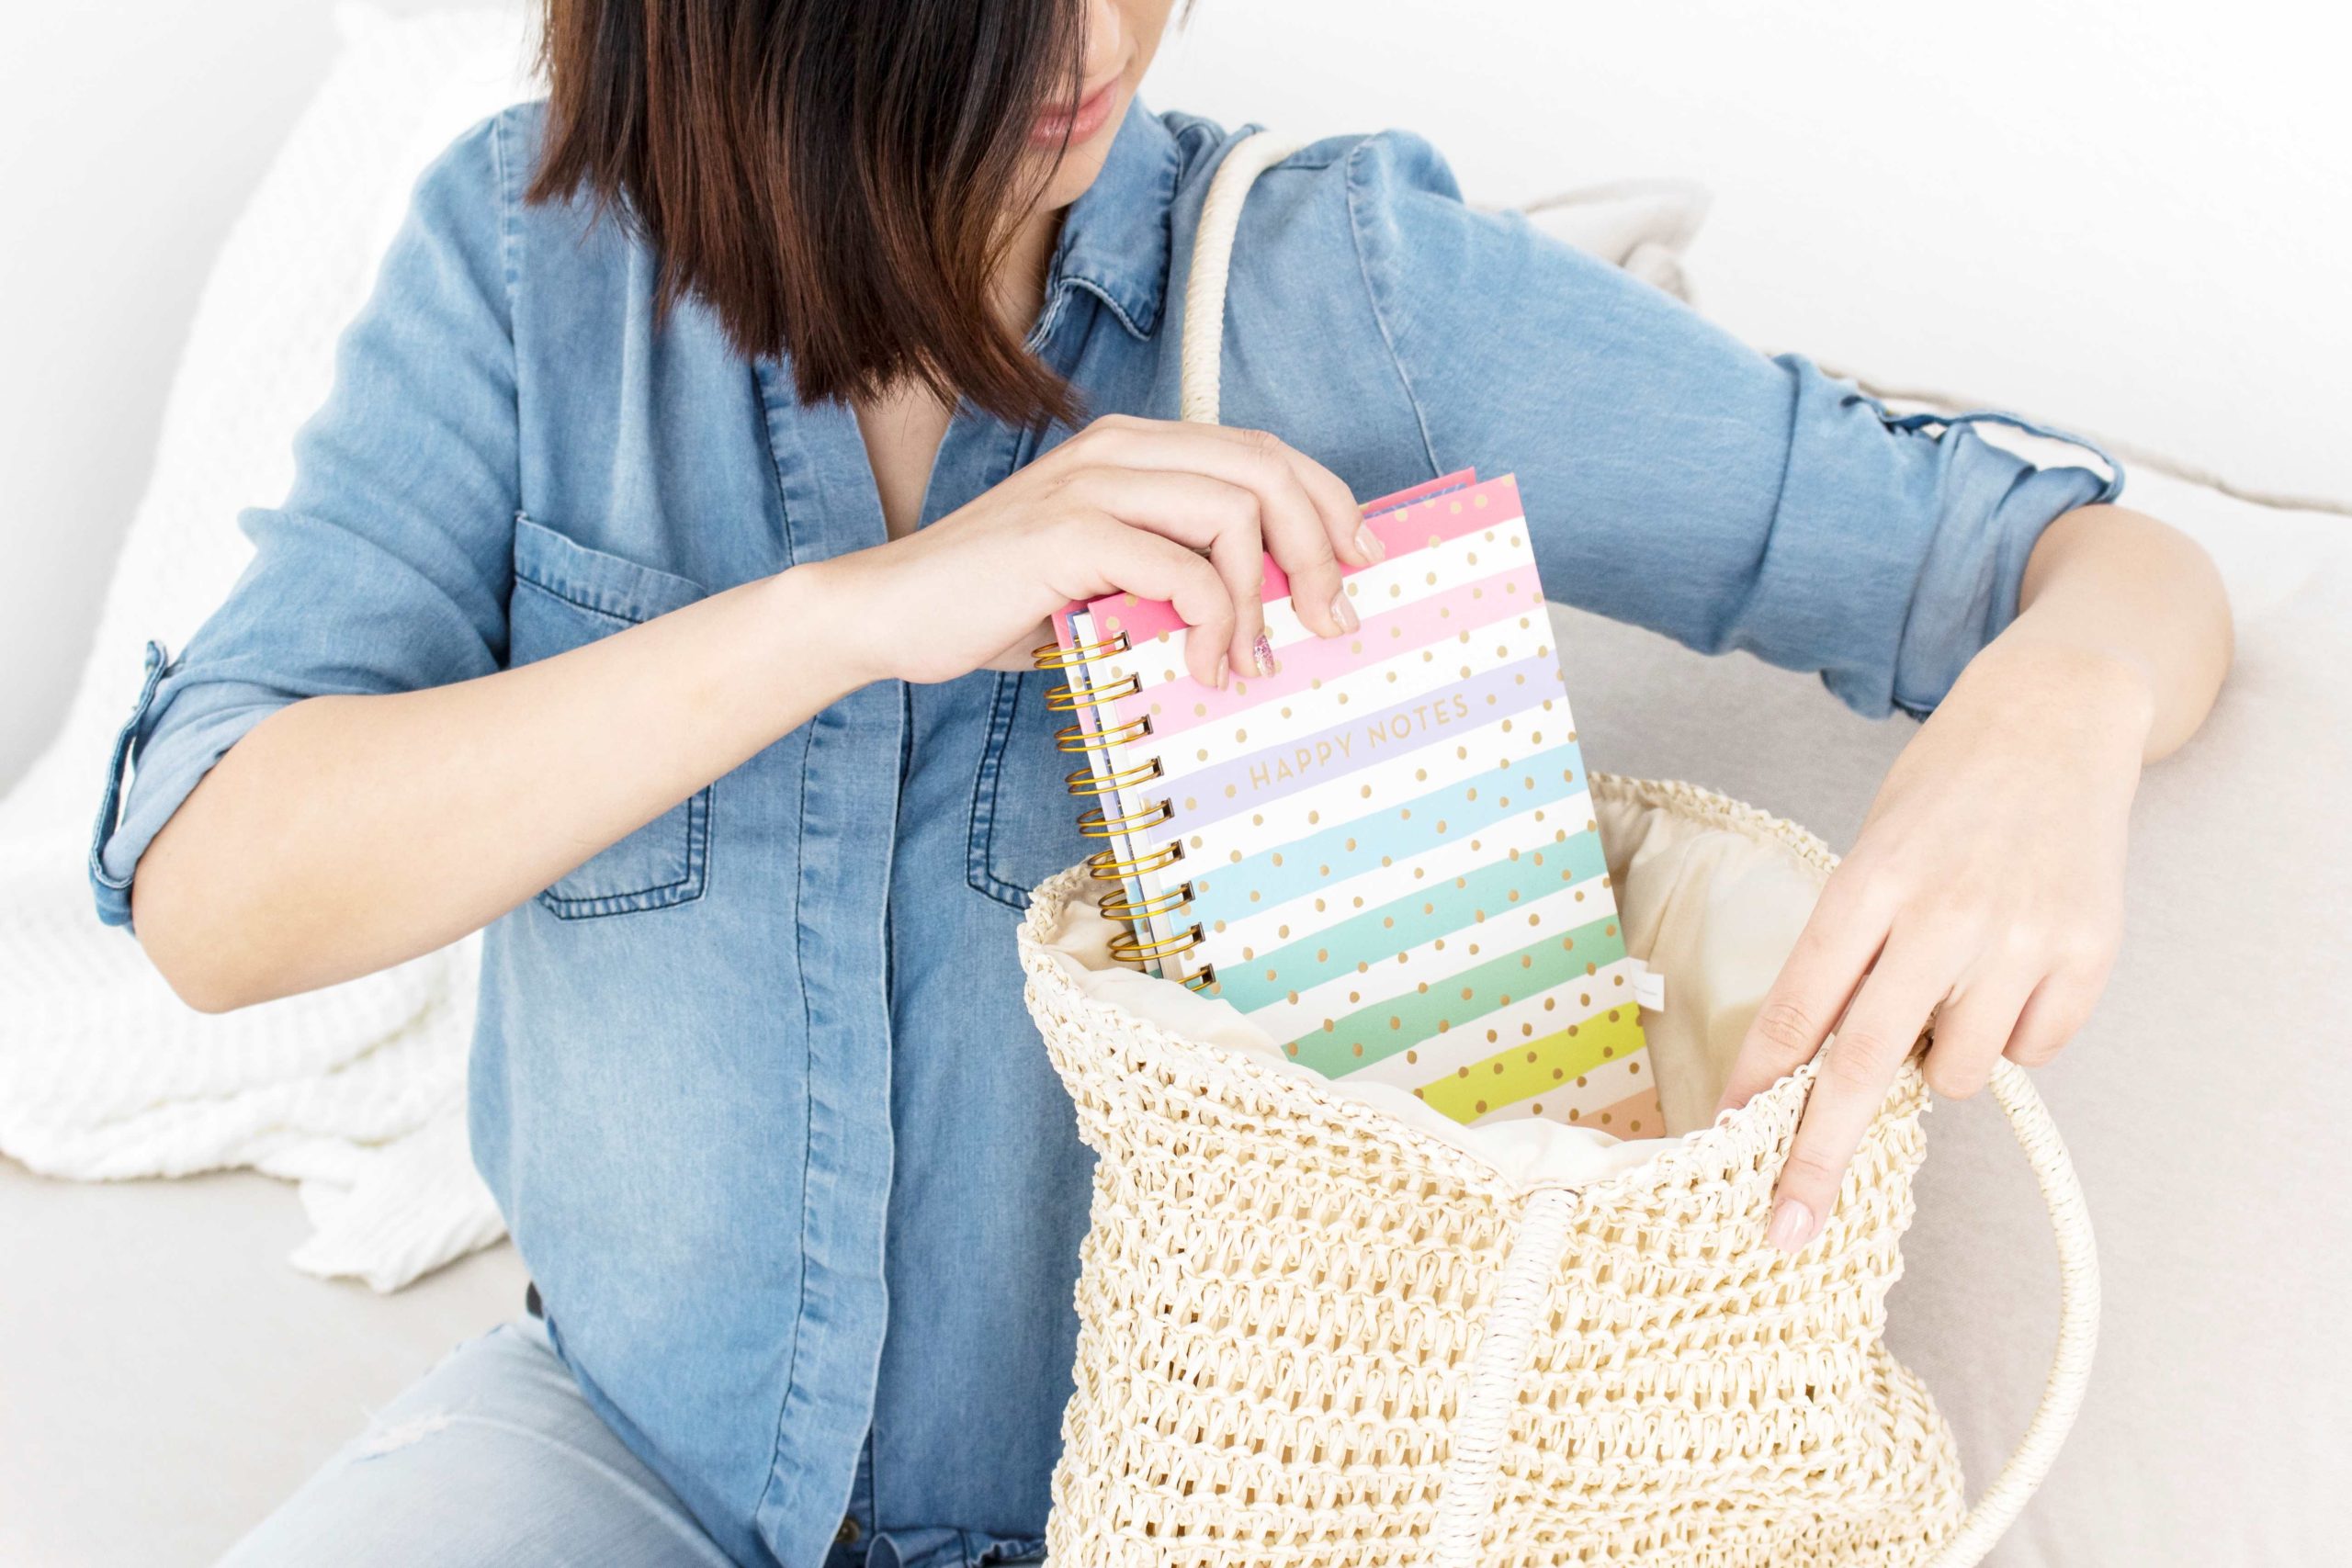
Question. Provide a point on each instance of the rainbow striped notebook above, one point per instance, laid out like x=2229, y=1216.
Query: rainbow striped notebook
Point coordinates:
x=1384, y=854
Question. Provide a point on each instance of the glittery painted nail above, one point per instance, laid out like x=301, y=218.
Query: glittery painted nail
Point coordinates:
x=1263, y=651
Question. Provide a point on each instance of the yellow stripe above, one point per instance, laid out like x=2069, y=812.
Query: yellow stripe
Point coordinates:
x=1519, y=1071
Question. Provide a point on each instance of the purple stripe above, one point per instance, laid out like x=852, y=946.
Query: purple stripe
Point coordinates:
x=1274, y=773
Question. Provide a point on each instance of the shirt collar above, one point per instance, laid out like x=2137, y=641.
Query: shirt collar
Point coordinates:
x=1114, y=242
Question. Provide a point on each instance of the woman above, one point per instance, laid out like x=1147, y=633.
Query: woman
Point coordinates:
x=653, y=591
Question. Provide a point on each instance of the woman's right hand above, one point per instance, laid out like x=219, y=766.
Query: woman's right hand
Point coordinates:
x=1165, y=510
x=294, y=864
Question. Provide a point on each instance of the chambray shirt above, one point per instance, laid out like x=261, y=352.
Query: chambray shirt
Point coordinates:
x=753, y=1086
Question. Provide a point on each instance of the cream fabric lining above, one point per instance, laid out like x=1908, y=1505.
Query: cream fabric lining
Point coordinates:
x=1712, y=909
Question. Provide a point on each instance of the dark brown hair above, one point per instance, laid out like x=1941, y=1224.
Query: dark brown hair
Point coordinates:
x=835, y=179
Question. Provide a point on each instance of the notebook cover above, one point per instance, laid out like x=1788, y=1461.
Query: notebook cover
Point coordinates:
x=1393, y=864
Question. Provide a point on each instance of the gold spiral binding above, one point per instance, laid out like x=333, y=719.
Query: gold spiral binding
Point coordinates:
x=1119, y=906
x=1097, y=742
x=1078, y=737
x=1086, y=781
x=1080, y=694
x=1130, y=948
x=1094, y=824
x=1053, y=656
x=1103, y=867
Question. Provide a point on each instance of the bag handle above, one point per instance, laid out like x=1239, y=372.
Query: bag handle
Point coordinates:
x=2029, y=1117
x=2079, y=1298
x=1203, y=347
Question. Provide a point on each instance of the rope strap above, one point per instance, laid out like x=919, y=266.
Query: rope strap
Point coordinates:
x=1203, y=346
x=2078, y=1295
x=1466, y=1500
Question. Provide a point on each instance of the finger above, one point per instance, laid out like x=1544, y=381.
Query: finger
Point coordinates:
x=1971, y=1026
x=2053, y=1015
x=1333, y=503
x=1819, y=977
x=1293, y=527
x=1299, y=539
x=1858, y=1068
x=1123, y=560
x=1352, y=541
x=1305, y=538
x=1241, y=560
x=1207, y=513
x=1342, y=519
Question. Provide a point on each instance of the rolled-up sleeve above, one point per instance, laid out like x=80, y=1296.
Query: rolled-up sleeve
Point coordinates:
x=388, y=565
x=1678, y=480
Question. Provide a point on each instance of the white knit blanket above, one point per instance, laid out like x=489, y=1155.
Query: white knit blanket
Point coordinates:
x=356, y=1092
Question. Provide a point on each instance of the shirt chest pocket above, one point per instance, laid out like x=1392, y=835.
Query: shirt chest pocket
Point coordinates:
x=1024, y=820
x=566, y=597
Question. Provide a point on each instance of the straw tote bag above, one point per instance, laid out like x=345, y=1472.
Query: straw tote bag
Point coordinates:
x=1311, y=1336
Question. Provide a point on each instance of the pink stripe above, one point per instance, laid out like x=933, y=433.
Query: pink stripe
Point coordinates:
x=1460, y=478
x=1411, y=527
x=1185, y=702
x=1635, y=1116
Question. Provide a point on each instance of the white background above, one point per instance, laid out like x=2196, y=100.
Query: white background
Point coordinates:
x=2132, y=217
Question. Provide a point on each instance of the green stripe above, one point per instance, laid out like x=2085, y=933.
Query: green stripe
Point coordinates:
x=1493, y=892
x=1521, y=1072
x=1331, y=855
x=1377, y=1032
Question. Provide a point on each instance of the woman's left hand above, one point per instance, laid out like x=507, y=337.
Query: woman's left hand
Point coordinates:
x=1985, y=887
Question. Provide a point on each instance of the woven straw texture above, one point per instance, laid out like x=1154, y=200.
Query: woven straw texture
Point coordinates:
x=1287, y=1300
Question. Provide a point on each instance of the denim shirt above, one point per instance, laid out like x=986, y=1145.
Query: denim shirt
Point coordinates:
x=753, y=1086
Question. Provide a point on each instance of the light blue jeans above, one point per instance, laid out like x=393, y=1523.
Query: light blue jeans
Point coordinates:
x=494, y=1460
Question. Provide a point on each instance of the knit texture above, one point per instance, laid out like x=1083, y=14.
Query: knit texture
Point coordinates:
x=357, y=1092
x=1284, y=1299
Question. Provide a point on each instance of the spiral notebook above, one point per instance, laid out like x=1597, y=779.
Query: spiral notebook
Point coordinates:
x=1384, y=854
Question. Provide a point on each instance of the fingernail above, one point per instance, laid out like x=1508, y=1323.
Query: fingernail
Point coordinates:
x=1263, y=651
x=1369, y=543
x=1344, y=612
x=1791, y=1225
x=1224, y=672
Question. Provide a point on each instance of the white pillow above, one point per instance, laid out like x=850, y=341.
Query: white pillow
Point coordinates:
x=1641, y=225
x=353, y=1090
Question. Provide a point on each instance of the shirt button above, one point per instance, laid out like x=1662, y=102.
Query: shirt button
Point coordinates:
x=847, y=1535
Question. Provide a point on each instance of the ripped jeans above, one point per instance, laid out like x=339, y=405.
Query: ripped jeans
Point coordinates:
x=494, y=1460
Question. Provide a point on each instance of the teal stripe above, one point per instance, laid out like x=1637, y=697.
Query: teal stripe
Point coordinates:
x=1367, y=1035
x=1349, y=849
x=1496, y=893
